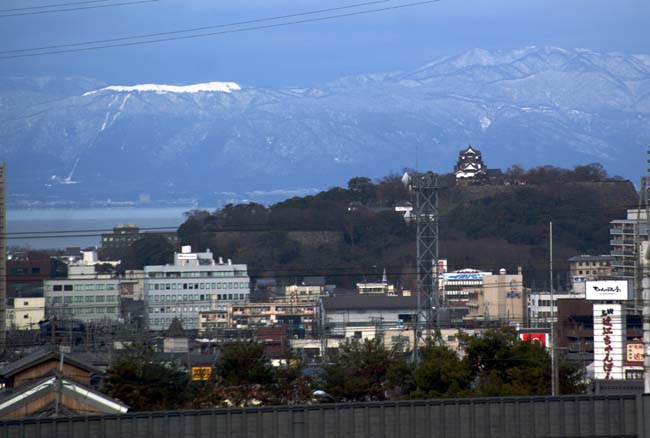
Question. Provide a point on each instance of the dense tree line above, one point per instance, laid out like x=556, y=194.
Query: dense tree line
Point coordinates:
x=496, y=363
x=353, y=232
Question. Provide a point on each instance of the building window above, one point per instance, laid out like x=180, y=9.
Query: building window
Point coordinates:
x=67, y=287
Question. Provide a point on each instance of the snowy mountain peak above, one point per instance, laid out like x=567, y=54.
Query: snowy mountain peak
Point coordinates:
x=222, y=87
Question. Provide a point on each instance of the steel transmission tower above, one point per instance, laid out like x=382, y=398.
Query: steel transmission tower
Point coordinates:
x=425, y=187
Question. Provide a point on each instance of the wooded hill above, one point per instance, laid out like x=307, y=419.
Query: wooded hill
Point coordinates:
x=486, y=227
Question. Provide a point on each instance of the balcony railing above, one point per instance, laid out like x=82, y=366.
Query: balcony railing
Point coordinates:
x=624, y=242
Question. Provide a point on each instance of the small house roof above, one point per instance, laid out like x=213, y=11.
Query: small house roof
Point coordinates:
x=10, y=401
x=44, y=356
x=175, y=330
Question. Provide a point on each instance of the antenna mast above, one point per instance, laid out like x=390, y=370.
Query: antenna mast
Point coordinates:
x=425, y=186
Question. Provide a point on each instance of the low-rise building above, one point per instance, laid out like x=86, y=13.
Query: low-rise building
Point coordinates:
x=194, y=283
x=26, y=312
x=350, y=315
x=540, y=307
x=382, y=287
x=310, y=290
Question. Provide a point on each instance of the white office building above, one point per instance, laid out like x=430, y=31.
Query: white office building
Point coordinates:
x=194, y=283
x=85, y=296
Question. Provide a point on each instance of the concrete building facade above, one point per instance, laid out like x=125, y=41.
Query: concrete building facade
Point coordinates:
x=194, y=283
x=623, y=234
x=84, y=296
x=26, y=313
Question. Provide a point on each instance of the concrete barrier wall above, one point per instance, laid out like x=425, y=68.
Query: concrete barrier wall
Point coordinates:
x=518, y=417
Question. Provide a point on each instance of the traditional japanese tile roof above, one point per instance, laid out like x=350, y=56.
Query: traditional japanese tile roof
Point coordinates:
x=40, y=357
x=10, y=401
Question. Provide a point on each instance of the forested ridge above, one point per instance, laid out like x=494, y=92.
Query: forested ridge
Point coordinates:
x=353, y=232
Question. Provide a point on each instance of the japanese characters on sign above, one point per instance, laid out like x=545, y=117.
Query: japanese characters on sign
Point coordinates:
x=634, y=352
x=201, y=373
x=607, y=290
x=609, y=341
x=608, y=362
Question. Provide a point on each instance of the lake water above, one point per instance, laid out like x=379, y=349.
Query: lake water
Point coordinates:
x=60, y=228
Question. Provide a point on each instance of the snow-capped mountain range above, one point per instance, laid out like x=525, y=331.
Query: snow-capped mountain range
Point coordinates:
x=78, y=138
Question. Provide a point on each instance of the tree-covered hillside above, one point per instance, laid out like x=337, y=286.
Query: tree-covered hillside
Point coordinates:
x=352, y=233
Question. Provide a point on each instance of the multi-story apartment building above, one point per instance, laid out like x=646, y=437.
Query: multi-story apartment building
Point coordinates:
x=84, y=295
x=623, y=233
x=590, y=267
x=194, y=283
x=298, y=316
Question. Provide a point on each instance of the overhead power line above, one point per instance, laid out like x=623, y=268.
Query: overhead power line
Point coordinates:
x=19, y=12
x=194, y=29
x=223, y=32
x=56, y=5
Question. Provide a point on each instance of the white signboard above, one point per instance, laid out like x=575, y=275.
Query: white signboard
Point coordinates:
x=187, y=256
x=609, y=341
x=606, y=290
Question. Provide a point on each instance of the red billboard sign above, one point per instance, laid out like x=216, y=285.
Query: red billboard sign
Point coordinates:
x=542, y=338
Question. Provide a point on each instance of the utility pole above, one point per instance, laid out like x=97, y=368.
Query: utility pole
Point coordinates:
x=3, y=261
x=554, y=369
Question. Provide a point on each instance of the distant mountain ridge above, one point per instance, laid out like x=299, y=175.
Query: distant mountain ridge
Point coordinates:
x=80, y=139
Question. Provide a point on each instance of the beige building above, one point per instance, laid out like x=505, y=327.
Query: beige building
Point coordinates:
x=132, y=285
x=501, y=297
x=380, y=287
x=26, y=313
x=213, y=320
x=588, y=267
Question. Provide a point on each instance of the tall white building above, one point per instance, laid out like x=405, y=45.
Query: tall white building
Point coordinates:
x=194, y=283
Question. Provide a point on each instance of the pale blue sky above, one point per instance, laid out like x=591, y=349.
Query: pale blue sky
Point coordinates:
x=311, y=53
